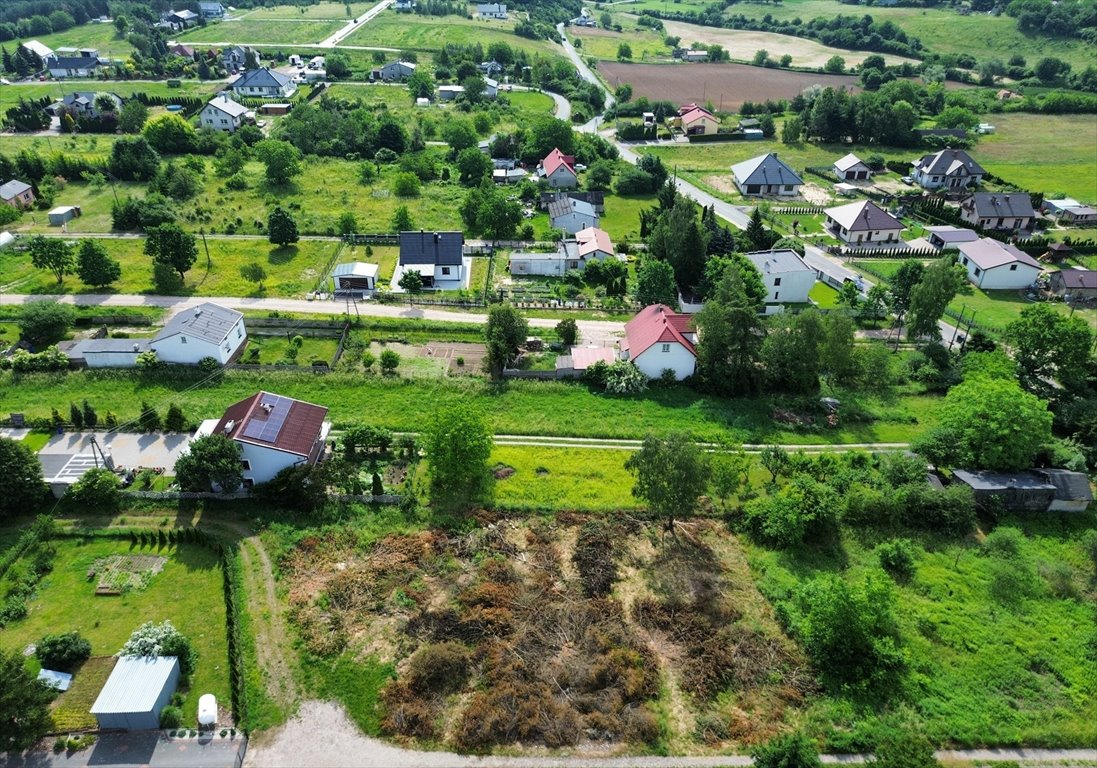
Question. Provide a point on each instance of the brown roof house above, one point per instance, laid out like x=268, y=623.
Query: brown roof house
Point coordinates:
x=863, y=222
x=1075, y=283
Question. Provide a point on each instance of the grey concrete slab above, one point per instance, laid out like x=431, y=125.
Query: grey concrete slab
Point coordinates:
x=14, y=433
x=138, y=749
x=129, y=449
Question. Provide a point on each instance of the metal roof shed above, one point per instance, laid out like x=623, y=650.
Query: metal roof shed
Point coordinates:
x=135, y=692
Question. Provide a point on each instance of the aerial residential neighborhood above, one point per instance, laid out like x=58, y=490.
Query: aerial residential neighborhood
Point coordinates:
x=423, y=382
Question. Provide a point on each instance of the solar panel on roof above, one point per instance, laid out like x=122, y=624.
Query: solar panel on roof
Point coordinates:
x=267, y=429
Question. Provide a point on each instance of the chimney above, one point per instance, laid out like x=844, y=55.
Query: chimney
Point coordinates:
x=198, y=312
x=136, y=347
x=229, y=426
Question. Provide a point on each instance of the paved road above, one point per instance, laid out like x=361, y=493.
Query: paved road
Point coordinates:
x=592, y=125
x=355, y=25
x=597, y=332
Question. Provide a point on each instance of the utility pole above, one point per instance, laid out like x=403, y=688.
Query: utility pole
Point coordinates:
x=209, y=262
x=956, y=328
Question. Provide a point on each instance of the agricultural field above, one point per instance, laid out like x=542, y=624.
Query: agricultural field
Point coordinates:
x=741, y=45
x=188, y=592
x=646, y=44
x=726, y=86
x=430, y=33
x=262, y=31
x=292, y=270
x=321, y=11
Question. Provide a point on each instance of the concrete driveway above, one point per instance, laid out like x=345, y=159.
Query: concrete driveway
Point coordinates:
x=128, y=449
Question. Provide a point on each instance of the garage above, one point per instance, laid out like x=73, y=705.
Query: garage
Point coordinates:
x=354, y=277
x=135, y=693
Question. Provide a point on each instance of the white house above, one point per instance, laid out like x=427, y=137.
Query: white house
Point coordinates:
x=852, y=168
x=492, y=11
x=437, y=256
x=766, y=175
x=992, y=265
x=1069, y=211
x=222, y=113
x=998, y=210
x=950, y=168
x=354, y=277
x=594, y=245
x=208, y=330
x=787, y=278
x=863, y=222
x=572, y=215
x=590, y=244
x=558, y=170
x=274, y=432
x=659, y=339
x=264, y=83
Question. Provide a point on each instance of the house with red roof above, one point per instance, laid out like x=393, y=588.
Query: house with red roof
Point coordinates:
x=698, y=121
x=273, y=432
x=660, y=339
x=558, y=170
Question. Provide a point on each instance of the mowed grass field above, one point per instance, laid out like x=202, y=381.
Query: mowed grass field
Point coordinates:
x=431, y=33
x=602, y=43
x=10, y=94
x=1055, y=154
x=103, y=37
x=188, y=592
x=292, y=271
x=265, y=31
x=563, y=478
x=324, y=11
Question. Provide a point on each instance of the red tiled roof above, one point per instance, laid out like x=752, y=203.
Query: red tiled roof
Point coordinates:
x=696, y=114
x=593, y=239
x=555, y=159
x=300, y=429
x=657, y=324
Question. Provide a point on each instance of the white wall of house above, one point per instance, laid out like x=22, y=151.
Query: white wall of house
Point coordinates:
x=789, y=287
x=188, y=350
x=263, y=463
x=1008, y=277
x=562, y=178
x=662, y=355
x=863, y=236
x=219, y=121
x=574, y=221
x=784, y=190
x=996, y=222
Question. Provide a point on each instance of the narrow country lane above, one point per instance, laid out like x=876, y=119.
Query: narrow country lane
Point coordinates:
x=354, y=25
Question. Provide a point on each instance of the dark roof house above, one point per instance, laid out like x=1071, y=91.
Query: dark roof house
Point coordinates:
x=998, y=210
x=273, y=421
x=437, y=248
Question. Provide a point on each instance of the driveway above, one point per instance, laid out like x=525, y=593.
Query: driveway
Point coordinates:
x=128, y=449
x=137, y=749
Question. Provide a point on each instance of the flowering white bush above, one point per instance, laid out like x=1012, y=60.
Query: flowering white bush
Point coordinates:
x=162, y=639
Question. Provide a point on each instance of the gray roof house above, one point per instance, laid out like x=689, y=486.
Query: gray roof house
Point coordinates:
x=72, y=66
x=137, y=690
x=234, y=57
x=222, y=113
x=211, y=10
x=437, y=256
x=395, y=70
x=82, y=104
x=947, y=236
x=998, y=210
x=863, y=222
x=572, y=215
x=852, y=168
x=491, y=11
x=950, y=168
x=1036, y=490
x=766, y=175
x=16, y=193
x=264, y=83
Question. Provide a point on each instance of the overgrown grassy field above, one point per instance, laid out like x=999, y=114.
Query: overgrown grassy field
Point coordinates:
x=563, y=479
x=327, y=11
x=188, y=592
x=1018, y=152
x=104, y=37
x=291, y=270
x=430, y=33
x=521, y=407
x=999, y=648
x=601, y=43
x=263, y=31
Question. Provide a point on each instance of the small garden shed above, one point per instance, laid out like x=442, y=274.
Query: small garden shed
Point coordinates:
x=136, y=691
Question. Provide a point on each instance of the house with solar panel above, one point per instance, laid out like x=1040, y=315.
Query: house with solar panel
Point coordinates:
x=273, y=432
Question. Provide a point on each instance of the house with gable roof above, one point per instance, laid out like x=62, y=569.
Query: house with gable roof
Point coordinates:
x=273, y=432
x=992, y=265
x=787, y=278
x=698, y=122
x=437, y=256
x=558, y=170
x=766, y=175
x=264, y=83
x=572, y=215
x=659, y=339
x=998, y=210
x=951, y=169
x=852, y=168
x=222, y=113
x=17, y=194
x=863, y=222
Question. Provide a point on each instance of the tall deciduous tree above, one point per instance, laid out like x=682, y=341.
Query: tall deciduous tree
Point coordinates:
x=24, y=704
x=458, y=446
x=655, y=283
x=94, y=266
x=671, y=474
x=170, y=134
x=210, y=460
x=53, y=254
x=280, y=158
x=677, y=238
x=939, y=285
x=21, y=484
x=281, y=227
x=1049, y=346
x=731, y=336
x=172, y=247
x=133, y=116
x=790, y=352
x=506, y=331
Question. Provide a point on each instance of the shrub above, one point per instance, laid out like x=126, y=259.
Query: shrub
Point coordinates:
x=1004, y=544
x=897, y=558
x=904, y=748
x=62, y=652
x=792, y=750
x=98, y=489
x=44, y=322
x=624, y=378
x=163, y=639
x=171, y=717
x=442, y=668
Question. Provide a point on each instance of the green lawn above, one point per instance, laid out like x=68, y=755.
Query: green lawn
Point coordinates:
x=521, y=407
x=1017, y=153
x=987, y=665
x=824, y=296
x=336, y=11
x=10, y=94
x=563, y=479
x=291, y=271
x=622, y=217
x=646, y=44
x=189, y=592
x=262, y=31
x=430, y=33
x=275, y=348
x=104, y=37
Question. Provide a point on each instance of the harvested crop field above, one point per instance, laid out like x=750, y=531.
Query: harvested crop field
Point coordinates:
x=726, y=85
x=743, y=44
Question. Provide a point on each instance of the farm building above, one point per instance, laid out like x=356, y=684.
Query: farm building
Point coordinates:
x=572, y=215
x=63, y=214
x=404, y=6
x=863, y=222
x=354, y=277
x=273, y=432
x=450, y=92
x=264, y=83
x=222, y=113
x=1067, y=210
x=437, y=256
x=1076, y=283
x=558, y=170
x=508, y=175
x=947, y=236
x=788, y=279
x=852, y=168
x=695, y=55
x=17, y=194
x=658, y=339
x=998, y=210
x=950, y=168
x=42, y=51
x=992, y=265
x=137, y=690
x=766, y=175
x=275, y=109
x=492, y=11
x=1036, y=490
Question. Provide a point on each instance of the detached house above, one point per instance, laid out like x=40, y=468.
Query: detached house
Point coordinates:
x=222, y=113
x=211, y=10
x=594, y=245
x=73, y=66
x=273, y=432
x=17, y=194
x=699, y=122
x=787, y=278
x=863, y=222
x=492, y=11
x=395, y=71
x=558, y=170
x=951, y=169
x=1077, y=283
x=946, y=236
x=572, y=215
x=852, y=168
x=41, y=50
x=83, y=104
x=589, y=245
x=234, y=58
x=659, y=339
x=437, y=256
x=177, y=21
x=1069, y=211
x=992, y=265
x=998, y=210
x=766, y=175
x=264, y=83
